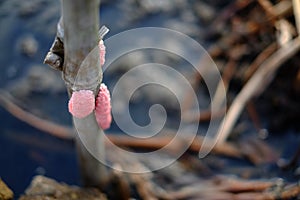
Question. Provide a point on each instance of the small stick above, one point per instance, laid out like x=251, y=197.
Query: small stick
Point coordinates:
x=250, y=107
x=278, y=11
x=161, y=141
x=283, y=9
x=205, y=115
x=296, y=8
x=267, y=52
x=228, y=72
x=268, y=7
x=222, y=188
x=239, y=185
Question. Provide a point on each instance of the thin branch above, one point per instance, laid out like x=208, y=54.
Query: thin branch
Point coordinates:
x=228, y=73
x=267, y=52
x=268, y=6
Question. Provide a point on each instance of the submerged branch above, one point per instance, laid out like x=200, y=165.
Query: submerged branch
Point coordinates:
x=65, y=132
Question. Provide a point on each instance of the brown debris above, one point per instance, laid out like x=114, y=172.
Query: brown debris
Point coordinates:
x=46, y=188
x=5, y=192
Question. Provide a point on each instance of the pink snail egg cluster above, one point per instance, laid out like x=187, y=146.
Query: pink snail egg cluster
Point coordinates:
x=82, y=103
x=102, y=52
x=103, y=107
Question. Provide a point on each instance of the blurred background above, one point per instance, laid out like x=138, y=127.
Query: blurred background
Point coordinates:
x=27, y=30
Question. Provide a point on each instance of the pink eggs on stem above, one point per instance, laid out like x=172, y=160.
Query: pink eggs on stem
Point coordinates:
x=103, y=107
x=102, y=52
x=82, y=103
